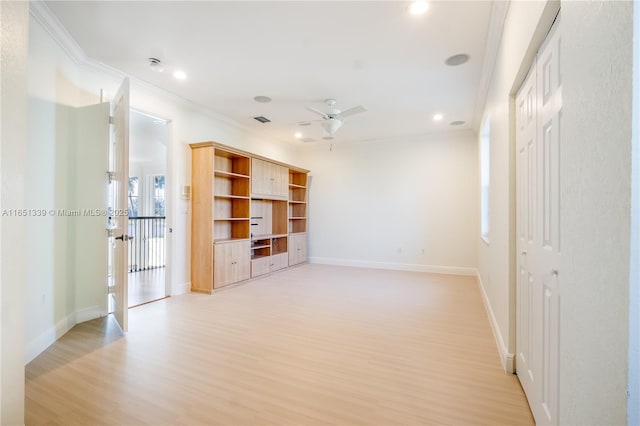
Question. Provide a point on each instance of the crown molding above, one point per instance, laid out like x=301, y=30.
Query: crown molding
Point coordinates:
x=499, y=9
x=45, y=17
x=41, y=13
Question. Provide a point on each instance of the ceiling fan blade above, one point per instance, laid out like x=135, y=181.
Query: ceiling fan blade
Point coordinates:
x=351, y=111
x=317, y=111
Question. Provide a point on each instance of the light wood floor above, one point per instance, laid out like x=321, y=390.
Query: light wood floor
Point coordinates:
x=306, y=346
x=146, y=286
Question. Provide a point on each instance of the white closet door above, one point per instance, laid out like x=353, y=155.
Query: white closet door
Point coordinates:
x=539, y=229
x=526, y=181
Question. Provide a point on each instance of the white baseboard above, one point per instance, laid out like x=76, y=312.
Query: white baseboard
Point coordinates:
x=89, y=313
x=183, y=288
x=505, y=356
x=36, y=346
x=436, y=269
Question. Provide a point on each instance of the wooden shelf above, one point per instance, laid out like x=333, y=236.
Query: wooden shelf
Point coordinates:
x=297, y=218
x=219, y=219
x=261, y=246
x=222, y=173
x=297, y=202
x=237, y=197
x=293, y=185
x=267, y=236
x=297, y=233
x=229, y=240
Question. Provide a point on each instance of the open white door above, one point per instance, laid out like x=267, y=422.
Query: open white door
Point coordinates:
x=118, y=208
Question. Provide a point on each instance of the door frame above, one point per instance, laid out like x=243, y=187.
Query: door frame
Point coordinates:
x=169, y=198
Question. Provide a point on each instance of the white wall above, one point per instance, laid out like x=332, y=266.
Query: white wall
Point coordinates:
x=520, y=38
x=398, y=205
x=62, y=80
x=595, y=191
x=13, y=86
x=52, y=97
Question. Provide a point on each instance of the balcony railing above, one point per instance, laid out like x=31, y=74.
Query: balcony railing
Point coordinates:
x=146, y=245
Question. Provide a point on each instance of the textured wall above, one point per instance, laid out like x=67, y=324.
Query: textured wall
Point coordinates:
x=633, y=404
x=14, y=21
x=595, y=192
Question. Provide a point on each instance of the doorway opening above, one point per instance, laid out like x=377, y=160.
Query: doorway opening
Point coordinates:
x=147, y=204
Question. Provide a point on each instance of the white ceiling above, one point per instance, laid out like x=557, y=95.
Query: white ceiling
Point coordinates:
x=299, y=53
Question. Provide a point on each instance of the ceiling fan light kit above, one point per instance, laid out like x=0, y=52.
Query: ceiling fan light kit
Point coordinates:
x=332, y=120
x=331, y=126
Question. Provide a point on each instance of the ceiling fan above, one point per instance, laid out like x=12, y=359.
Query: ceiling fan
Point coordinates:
x=332, y=120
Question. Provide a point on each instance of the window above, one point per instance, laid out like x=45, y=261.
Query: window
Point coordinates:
x=158, y=196
x=485, y=165
x=133, y=196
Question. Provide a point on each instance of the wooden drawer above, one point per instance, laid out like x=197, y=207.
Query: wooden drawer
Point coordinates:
x=260, y=266
x=279, y=261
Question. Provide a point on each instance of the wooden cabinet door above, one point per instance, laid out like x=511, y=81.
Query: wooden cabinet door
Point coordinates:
x=297, y=249
x=280, y=182
x=223, y=264
x=242, y=265
x=269, y=179
x=231, y=263
x=260, y=176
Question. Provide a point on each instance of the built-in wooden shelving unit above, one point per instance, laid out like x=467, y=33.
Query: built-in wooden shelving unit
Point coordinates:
x=249, y=216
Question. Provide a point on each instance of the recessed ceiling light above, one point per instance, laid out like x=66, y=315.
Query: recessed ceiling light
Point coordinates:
x=304, y=123
x=180, y=75
x=262, y=99
x=156, y=65
x=298, y=135
x=438, y=117
x=457, y=59
x=418, y=7
x=456, y=123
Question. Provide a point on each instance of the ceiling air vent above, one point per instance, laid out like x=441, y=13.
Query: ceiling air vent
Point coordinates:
x=262, y=119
